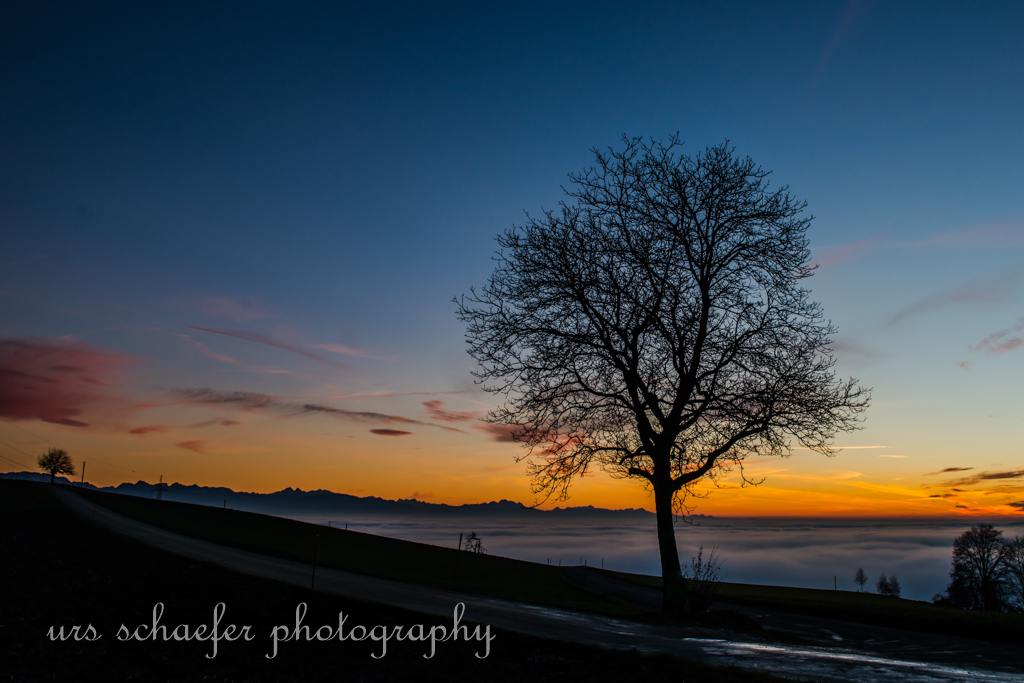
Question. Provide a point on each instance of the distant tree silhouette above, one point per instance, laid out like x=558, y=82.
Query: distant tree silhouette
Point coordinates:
x=860, y=578
x=658, y=327
x=474, y=544
x=889, y=586
x=980, y=575
x=56, y=461
x=1015, y=572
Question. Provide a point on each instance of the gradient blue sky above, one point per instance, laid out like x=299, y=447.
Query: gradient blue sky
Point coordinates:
x=321, y=181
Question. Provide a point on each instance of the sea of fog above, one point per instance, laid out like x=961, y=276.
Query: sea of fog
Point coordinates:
x=809, y=553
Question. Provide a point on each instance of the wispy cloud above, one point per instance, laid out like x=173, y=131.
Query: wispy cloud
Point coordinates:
x=852, y=13
x=30, y=259
x=1019, y=505
x=977, y=291
x=374, y=394
x=985, y=476
x=947, y=470
x=150, y=429
x=1005, y=236
x=499, y=433
x=346, y=350
x=59, y=380
x=849, y=252
x=250, y=401
x=843, y=448
x=270, y=341
x=218, y=422
x=437, y=411
x=390, y=432
x=232, y=309
x=196, y=445
x=1001, y=342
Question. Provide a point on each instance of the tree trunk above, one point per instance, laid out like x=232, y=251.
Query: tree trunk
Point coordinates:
x=666, y=540
x=51, y=477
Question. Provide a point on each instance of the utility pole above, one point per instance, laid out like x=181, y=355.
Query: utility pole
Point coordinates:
x=316, y=548
x=81, y=484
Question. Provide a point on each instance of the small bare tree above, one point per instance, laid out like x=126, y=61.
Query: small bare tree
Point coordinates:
x=705, y=576
x=56, y=461
x=657, y=327
x=889, y=586
x=860, y=578
x=474, y=544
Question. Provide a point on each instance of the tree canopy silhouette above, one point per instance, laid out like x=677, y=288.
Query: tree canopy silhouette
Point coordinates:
x=655, y=326
x=56, y=461
x=980, y=576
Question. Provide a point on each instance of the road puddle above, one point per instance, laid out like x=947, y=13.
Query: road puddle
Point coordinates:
x=839, y=664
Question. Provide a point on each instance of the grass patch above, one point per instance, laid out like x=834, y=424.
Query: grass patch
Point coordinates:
x=864, y=608
x=62, y=569
x=388, y=558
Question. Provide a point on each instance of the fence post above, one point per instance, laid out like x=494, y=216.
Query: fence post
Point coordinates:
x=316, y=549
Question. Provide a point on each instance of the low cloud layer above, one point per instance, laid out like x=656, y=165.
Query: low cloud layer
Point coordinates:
x=390, y=432
x=61, y=381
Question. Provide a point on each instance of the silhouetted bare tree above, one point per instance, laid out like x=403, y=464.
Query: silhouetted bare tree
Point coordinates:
x=979, y=575
x=56, y=461
x=474, y=544
x=860, y=578
x=656, y=327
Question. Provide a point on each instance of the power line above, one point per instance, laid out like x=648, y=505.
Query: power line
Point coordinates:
x=14, y=448
x=15, y=462
x=89, y=458
x=29, y=467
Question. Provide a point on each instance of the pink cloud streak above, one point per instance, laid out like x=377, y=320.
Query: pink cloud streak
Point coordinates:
x=59, y=380
x=1000, y=342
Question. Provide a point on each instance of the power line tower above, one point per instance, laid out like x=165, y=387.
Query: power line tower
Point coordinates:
x=160, y=488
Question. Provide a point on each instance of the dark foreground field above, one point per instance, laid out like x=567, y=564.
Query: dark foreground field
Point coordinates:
x=61, y=570
x=529, y=581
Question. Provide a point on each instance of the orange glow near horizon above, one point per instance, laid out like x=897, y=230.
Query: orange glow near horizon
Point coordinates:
x=270, y=455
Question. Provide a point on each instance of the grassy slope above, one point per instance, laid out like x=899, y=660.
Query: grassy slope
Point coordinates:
x=865, y=608
x=59, y=569
x=353, y=551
